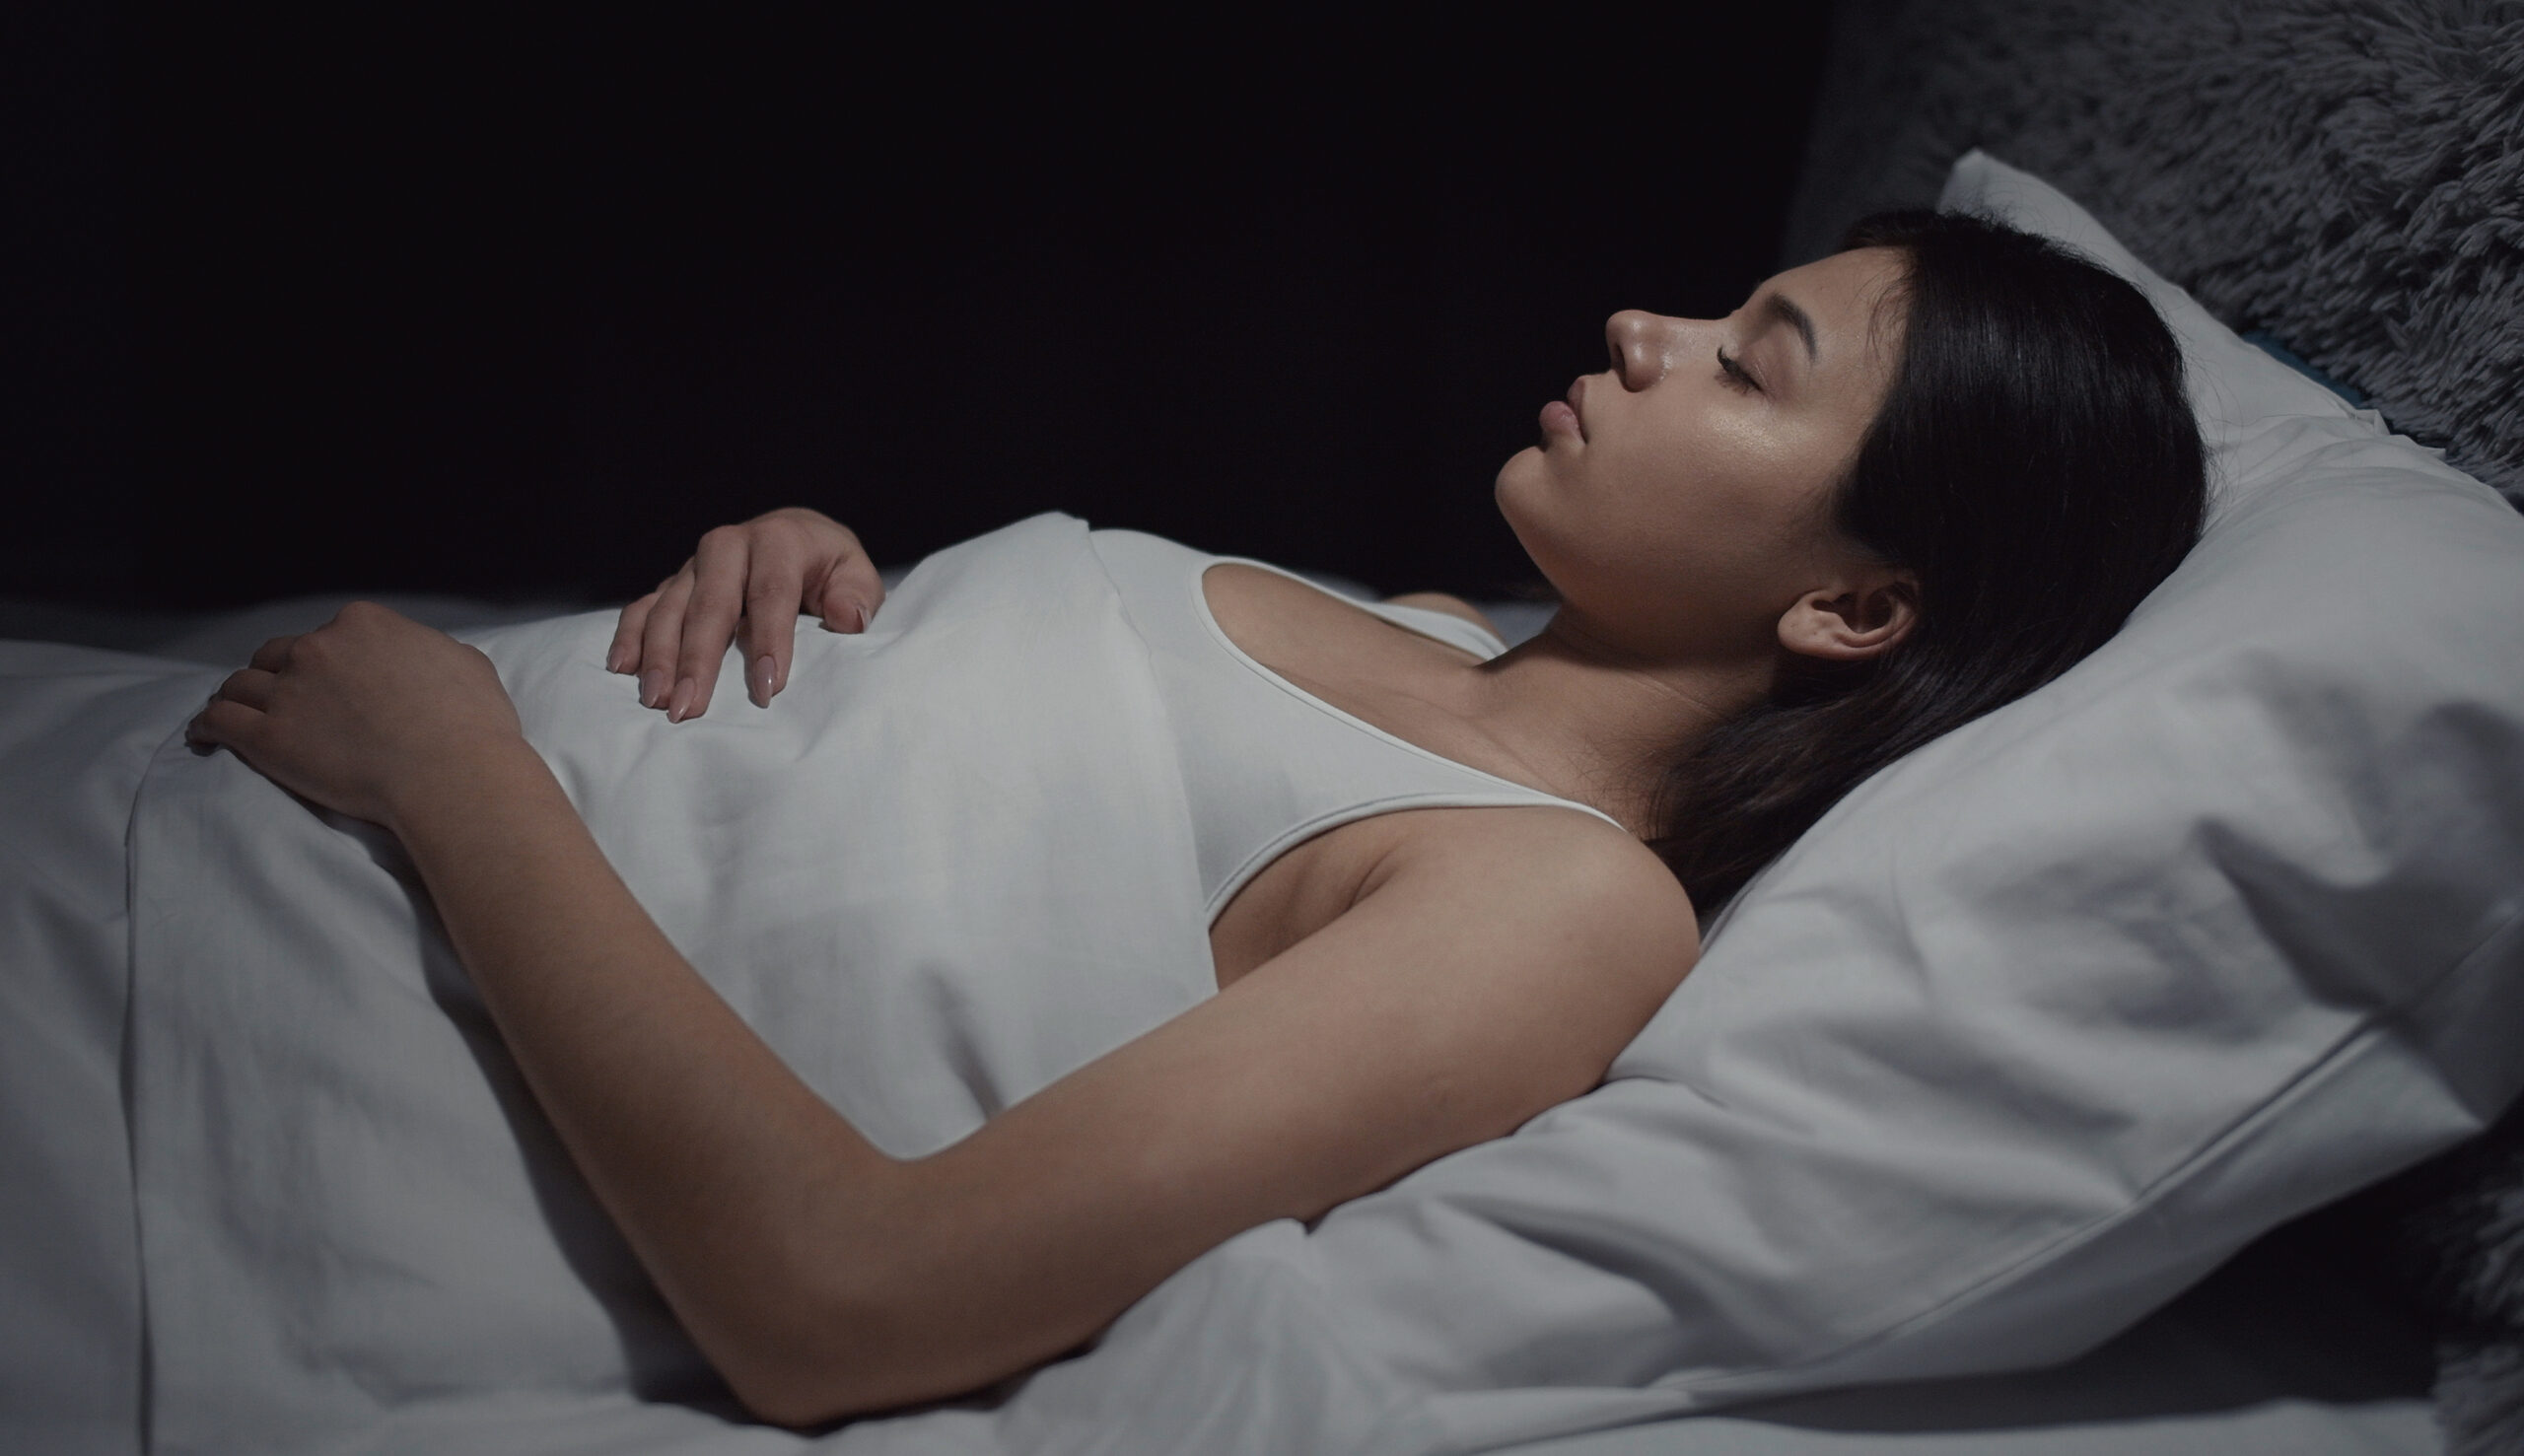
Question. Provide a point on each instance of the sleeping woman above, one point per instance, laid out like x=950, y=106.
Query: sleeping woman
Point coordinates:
x=1443, y=884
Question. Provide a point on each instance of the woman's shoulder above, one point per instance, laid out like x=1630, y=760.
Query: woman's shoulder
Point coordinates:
x=1548, y=867
x=1560, y=847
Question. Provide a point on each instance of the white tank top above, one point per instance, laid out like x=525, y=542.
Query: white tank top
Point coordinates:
x=1267, y=765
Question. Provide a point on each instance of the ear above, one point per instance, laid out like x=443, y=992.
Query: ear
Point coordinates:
x=1851, y=621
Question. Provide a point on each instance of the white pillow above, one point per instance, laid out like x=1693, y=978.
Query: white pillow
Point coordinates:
x=2043, y=1022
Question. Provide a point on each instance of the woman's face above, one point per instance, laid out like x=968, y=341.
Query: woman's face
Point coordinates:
x=1679, y=501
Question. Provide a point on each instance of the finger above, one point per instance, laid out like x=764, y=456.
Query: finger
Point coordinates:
x=709, y=619
x=250, y=687
x=273, y=654
x=661, y=638
x=850, y=593
x=624, y=653
x=767, y=634
x=225, y=723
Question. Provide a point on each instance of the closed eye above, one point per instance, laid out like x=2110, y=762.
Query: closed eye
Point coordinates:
x=1734, y=375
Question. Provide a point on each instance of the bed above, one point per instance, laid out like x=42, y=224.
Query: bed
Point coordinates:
x=2258, y=1357
x=1760, y=1236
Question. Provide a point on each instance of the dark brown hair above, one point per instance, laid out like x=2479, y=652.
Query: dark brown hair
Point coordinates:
x=2034, y=464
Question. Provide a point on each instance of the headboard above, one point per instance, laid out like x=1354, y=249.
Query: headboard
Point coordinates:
x=2345, y=174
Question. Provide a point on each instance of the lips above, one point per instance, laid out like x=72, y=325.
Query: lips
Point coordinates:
x=1562, y=416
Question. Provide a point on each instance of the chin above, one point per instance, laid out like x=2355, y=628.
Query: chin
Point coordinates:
x=1519, y=492
x=1513, y=483
x=1524, y=473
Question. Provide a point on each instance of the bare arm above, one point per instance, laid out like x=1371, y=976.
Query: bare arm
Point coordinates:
x=1478, y=980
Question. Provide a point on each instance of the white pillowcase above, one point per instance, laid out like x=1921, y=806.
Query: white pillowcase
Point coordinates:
x=2043, y=1022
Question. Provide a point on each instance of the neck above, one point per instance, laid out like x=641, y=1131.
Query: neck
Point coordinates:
x=1598, y=724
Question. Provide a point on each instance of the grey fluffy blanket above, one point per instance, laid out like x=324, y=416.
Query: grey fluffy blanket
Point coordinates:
x=2457, y=1227
x=2348, y=174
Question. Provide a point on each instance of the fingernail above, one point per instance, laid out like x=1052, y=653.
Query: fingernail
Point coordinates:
x=859, y=614
x=617, y=660
x=684, y=692
x=653, y=687
x=761, y=681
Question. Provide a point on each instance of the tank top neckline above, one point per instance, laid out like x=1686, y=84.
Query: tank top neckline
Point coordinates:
x=1209, y=619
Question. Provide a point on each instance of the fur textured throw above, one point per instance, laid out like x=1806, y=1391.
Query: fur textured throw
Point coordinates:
x=2458, y=1226
x=2347, y=175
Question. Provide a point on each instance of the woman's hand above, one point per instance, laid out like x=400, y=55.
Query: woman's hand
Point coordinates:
x=749, y=582
x=361, y=712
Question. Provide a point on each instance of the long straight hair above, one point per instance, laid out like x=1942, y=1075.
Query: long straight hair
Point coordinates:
x=2034, y=464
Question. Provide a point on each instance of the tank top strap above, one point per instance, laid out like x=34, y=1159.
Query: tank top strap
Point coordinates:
x=1267, y=765
x=1445, y=627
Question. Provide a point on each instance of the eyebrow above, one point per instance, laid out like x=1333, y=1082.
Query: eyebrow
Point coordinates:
x=1778, y=307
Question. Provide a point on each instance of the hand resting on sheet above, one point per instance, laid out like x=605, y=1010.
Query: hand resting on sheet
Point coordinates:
x=343, y=714
x=745, y=584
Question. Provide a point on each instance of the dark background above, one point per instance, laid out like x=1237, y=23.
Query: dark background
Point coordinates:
x=384, y=299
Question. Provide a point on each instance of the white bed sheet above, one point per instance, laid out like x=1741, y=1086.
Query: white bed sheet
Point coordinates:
x=2257, y=1361
x=2276, y=1428
x=2273, y=1357
x=69, y=1273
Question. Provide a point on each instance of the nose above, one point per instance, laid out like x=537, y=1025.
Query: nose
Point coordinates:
x=1644, y=345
